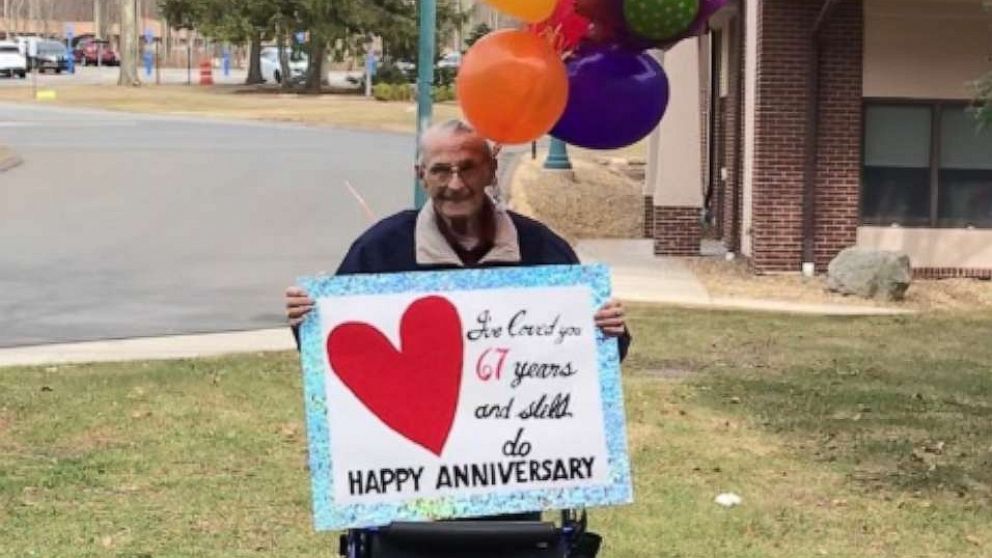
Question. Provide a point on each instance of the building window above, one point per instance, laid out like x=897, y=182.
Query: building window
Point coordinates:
x=965, y=171
x=926, y=165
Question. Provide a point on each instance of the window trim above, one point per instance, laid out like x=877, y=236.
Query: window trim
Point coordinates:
x=936, y=107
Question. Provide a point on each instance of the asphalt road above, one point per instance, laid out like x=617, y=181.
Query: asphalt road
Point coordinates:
x=120, y=226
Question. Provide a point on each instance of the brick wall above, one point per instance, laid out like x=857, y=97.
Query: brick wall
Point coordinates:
x=838, y=183
x=733, y=140
x=718, y=201
x=648, y=216
x=705, y=94
x=677, y=231
x=951, y=273
x=784, y=55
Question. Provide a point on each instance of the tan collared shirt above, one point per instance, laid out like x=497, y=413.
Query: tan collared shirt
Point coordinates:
x=434, y=249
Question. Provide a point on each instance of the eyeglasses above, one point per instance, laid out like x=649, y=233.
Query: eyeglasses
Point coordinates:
x=470, y=173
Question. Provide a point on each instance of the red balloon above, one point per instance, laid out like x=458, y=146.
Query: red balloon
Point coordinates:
x=608, y=24
x=609, y=27
x=604, y=12
x=565, y=28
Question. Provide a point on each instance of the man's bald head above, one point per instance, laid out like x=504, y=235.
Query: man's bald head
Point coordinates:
x=444, y=132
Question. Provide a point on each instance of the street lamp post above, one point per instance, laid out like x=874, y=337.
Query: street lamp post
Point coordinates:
x=425, y=82
x=557, y=156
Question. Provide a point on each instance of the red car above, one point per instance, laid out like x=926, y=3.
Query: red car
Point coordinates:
x=89, y=52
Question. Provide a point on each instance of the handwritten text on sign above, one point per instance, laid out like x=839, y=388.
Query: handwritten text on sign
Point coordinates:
x=461, y=393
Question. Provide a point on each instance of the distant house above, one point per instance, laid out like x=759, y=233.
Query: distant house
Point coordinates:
x=807, y=126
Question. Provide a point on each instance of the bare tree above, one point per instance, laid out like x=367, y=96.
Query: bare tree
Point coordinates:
x=47, y=9
x=129, y=45
x=17, y=14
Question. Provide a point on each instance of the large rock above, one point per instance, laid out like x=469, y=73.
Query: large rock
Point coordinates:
x=870, y=274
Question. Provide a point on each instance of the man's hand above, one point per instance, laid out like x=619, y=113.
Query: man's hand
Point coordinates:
x=610, y=318
x=298, y=305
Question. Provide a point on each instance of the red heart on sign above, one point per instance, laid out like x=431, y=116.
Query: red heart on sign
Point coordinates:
x=413, y=390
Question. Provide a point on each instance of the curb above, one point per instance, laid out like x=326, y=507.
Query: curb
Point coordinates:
x=150, y=348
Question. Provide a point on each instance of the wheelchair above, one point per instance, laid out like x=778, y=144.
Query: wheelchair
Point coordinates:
x=487, y=538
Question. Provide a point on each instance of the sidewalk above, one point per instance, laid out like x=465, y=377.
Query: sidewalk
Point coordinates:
x=151, y=348
x=638, y=276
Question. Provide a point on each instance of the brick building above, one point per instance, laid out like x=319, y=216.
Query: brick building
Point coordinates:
x=807, y=126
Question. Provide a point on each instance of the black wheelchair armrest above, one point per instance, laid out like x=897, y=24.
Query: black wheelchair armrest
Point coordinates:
x=472, y=534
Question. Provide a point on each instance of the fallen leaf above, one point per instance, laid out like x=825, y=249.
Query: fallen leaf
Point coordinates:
x=290, y=430
x=937, y=448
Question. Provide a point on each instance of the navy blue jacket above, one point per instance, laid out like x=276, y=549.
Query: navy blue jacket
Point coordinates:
x=390, y=247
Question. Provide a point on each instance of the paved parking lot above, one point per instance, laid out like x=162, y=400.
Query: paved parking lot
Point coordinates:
x=123, y=225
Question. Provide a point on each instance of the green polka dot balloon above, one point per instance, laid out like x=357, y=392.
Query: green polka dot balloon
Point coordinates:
x=660, y=19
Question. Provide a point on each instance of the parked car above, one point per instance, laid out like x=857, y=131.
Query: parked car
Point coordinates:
x=24, y=44
x=346, y=81
x=407, y=67
x=272, y=69
x=52, y=55
x=92, y=52
x=12, y=62
x=451, y=60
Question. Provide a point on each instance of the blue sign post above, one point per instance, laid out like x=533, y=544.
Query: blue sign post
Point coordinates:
x=148, y=56
x=371, y=64
x=70, y=57
x=371, y=67
x=226, y=61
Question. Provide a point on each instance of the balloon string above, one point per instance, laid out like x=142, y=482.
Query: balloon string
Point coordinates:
x=556, y=39
x=361, y=202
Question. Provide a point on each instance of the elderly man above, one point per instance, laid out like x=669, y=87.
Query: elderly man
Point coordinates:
x=458, y=228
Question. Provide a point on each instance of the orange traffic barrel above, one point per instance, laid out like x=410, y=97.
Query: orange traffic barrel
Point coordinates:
x=206, y=73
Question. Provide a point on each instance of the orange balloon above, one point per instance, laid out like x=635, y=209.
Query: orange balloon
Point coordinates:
x=531, y=11
x=512, y=86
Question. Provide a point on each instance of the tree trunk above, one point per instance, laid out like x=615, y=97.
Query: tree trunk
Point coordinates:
x=129, y=45
x=287, y=75
x=255, y=60
x=315, y=72
x=99, y=19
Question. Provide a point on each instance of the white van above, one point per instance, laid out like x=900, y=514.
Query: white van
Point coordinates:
x=12, y=60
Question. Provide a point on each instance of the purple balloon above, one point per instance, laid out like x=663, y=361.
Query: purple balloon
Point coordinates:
x=616, y=97
x=707, y=9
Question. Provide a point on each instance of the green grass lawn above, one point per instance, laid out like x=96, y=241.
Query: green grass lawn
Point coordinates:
x=844, y=437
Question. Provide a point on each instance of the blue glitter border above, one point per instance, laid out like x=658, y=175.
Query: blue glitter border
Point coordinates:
x=327, y=516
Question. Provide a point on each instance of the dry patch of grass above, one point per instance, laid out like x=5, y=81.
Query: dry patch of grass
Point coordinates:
x=241, y=102
x=736, y=280
x=595, y=202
